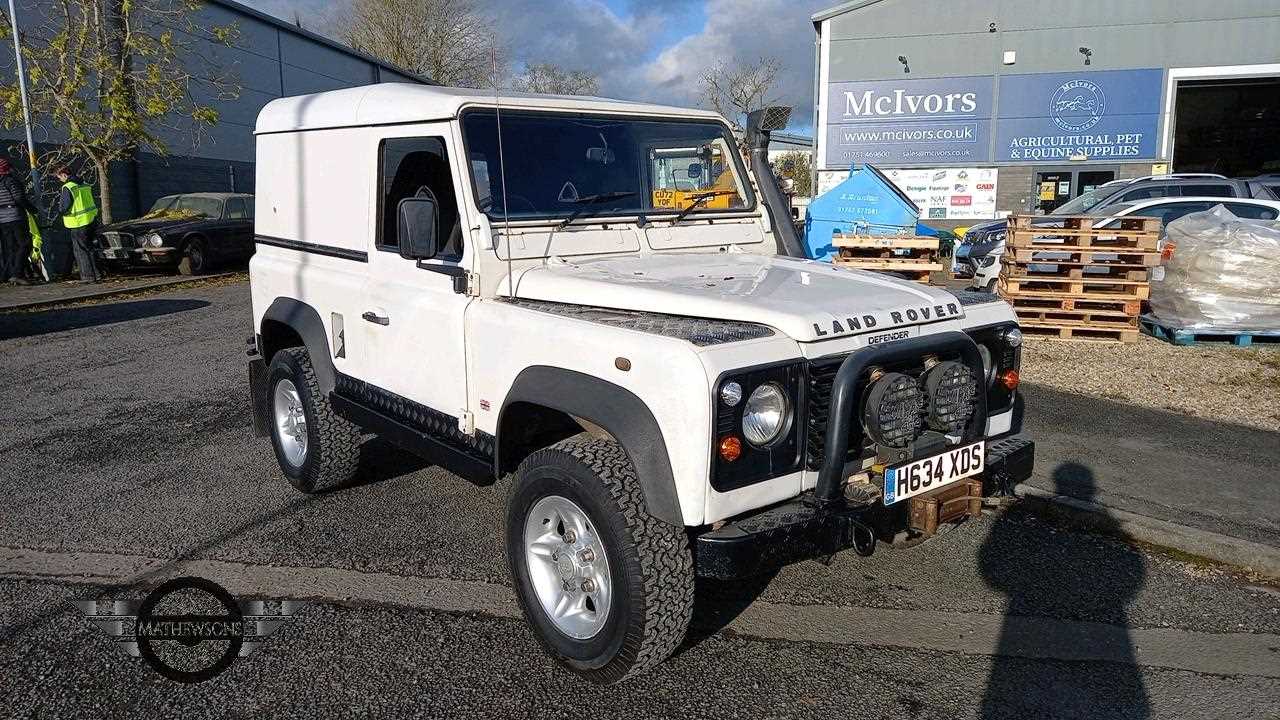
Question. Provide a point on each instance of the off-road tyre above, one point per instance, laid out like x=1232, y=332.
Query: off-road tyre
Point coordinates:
x=650, y=562
x=333, y=443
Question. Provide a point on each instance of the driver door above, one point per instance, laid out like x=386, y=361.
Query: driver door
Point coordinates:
x=413, y=315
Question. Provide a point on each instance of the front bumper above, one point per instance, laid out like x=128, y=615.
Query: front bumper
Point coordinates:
x=824, y=522
x=139, y=256
x=806, y=528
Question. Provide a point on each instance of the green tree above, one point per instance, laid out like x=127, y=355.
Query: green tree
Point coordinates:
x=797, y=165
x=108, y=78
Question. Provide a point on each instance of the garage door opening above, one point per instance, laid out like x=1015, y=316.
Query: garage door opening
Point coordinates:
x=1230, y=127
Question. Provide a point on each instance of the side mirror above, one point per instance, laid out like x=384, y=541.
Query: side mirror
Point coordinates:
x=417, y=219
x=694, y=171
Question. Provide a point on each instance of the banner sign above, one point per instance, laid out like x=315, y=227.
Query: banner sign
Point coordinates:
x=1045, y=117
x=949, y=193
x=908, y=121
x=1103, y=115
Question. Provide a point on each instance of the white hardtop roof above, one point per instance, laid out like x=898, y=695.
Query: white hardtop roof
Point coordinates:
x=386, y=103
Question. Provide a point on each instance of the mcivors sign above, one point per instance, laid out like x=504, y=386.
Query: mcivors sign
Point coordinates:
x=1103, y=115
x=908, y=121
x=1044, y=117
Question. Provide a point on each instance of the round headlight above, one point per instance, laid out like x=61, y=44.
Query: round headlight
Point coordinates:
x=951, y=389
x=154, y=240
x=1013, y=337
x=765, y=416
x=731, y=394
x=893, y=413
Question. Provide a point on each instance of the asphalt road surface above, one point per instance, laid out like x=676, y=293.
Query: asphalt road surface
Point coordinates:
x=128, y=457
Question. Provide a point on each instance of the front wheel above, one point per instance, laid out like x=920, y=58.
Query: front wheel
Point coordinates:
x=195, y=260
x=607, y=587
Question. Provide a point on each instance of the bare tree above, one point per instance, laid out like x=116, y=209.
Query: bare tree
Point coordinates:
x=450, y=41
x=555, y=80
x=734, y=89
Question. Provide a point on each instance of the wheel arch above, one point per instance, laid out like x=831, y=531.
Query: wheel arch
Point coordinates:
x=556, y=397
x=290, y=323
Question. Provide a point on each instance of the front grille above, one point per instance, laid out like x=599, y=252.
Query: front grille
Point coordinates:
x=120, y=240
x=822, y=377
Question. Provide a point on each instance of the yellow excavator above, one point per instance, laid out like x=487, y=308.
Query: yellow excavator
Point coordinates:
x=683, y=176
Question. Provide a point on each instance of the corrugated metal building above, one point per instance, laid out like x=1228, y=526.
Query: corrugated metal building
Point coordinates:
x=1051, y=97
x=271, y=59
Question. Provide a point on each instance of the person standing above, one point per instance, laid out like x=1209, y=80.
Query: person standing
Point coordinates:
x=80, y=217
x=15, y=240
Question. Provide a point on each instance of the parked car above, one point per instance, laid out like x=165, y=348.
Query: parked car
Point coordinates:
x=190, y=233
x=1167, y=209
x=983, y=242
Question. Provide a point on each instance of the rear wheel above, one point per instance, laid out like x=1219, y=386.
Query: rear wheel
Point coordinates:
x=607, y=587
x=315, y=447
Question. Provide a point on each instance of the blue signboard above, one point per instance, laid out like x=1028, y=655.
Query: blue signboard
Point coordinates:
x=931, y=121
x=1103, y=115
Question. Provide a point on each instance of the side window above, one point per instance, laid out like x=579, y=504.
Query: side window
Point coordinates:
x=237, y=209
x=1146, y=193
x=1252, y=212
x=408, y=167
x=1172, y=211
x=1208, y=190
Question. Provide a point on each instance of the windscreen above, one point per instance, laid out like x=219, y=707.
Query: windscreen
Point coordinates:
x=560, y=165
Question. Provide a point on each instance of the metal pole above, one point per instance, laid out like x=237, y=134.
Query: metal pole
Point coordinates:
x=26, y=108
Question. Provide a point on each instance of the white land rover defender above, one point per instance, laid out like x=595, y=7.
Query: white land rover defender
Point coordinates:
x=604, y=301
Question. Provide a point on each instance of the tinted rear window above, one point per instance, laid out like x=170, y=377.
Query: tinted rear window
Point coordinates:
x=1208, y=190
x=1252, y=212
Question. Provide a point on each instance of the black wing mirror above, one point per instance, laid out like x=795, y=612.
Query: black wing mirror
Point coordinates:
x=417, y=228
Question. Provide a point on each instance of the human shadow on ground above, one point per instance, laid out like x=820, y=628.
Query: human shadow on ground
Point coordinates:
x=1094, y=581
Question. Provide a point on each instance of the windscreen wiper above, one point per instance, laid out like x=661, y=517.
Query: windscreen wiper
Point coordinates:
x=699, y=199
x=586, y=202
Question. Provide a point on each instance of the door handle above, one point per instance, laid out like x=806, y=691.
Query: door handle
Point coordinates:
x=375, y=318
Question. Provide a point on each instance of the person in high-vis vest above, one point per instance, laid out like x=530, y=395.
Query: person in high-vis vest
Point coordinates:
x=79, y=216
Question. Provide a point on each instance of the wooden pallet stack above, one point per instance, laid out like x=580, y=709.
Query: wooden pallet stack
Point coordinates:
x=1079, y=282
x=913, y=257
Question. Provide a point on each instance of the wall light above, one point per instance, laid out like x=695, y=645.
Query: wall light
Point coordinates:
x=1088, y=55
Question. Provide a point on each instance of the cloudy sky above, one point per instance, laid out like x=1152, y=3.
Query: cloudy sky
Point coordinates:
x=642, y=49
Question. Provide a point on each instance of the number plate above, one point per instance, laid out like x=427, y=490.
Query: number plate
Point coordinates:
x=934, y=472
x=114, y=253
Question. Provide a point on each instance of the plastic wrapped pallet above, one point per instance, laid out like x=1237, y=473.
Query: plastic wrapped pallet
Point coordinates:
x=1223, y=274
